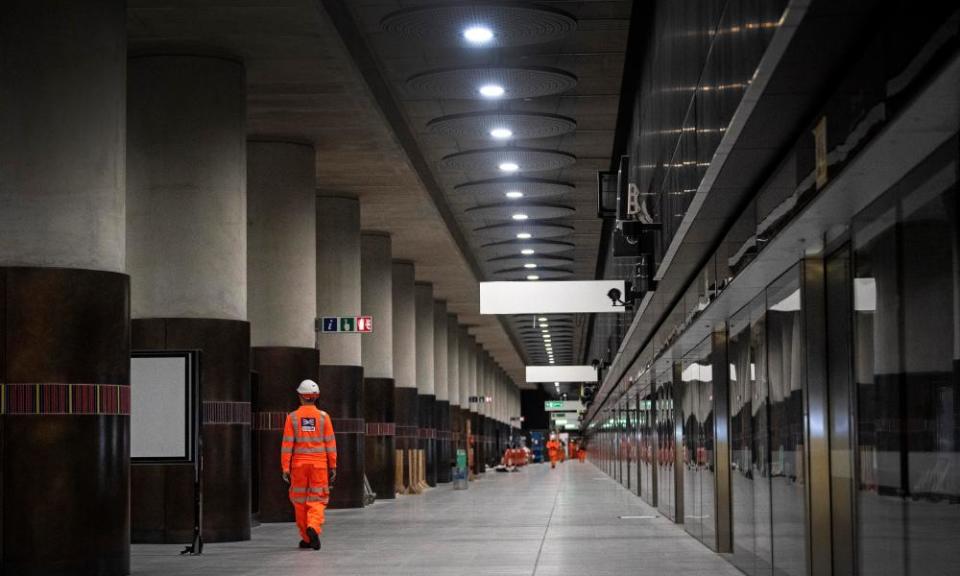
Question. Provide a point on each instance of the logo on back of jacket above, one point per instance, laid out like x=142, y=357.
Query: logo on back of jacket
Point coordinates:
x=308, y=424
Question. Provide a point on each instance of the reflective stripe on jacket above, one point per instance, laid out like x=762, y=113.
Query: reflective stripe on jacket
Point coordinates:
x=308, y=438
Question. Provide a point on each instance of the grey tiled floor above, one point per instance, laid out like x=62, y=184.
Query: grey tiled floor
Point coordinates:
x=534, y=522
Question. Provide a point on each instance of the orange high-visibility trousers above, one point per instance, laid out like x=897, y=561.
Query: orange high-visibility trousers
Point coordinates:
x=309, y=493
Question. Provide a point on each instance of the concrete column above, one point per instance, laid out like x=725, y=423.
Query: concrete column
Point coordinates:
x=187, y=257
x=282, y=302
x=63, y=292
x=376, y=277
x=406, y=400
x=341, y=369
x=442, y=383
x=453, y=381
x=426, y=371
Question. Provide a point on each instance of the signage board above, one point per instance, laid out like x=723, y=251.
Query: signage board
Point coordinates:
x=346, y=324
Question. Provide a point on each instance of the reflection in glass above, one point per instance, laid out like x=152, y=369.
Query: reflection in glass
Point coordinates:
x=697, y=411
x=787, y=455
x=907, y=373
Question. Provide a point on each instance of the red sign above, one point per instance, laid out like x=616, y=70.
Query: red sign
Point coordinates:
x=364, y=323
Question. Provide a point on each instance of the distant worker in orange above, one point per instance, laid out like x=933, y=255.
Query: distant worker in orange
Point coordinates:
x=581, y=454
x=308, y=457
x=554, y=451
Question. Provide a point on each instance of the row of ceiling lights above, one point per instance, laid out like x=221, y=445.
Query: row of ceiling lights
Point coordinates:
x=479, y=35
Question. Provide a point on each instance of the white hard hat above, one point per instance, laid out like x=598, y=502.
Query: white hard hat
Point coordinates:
x=308, y=387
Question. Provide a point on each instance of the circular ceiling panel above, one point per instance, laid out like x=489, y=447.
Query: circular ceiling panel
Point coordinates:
x=508, y=159
x=521, y=211
x=490, y=83
x=508, y=24
x=522, y=273
x=538, y=259
x=536, y=229
x=515, y=247
x=506, y=126
x=527, y=187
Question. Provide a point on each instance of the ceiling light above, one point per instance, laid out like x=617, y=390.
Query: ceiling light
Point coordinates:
x=529, y=265
x=542, y=318
x=544, y=324
x=514, y=194
x=524, y=235
x=527, y=251
x=501, y=133
x=478, y=35
x=492, y=91
x=509, y=166
x=551, y=361
x=520, y=216
x=533, y=277
x=545, y=331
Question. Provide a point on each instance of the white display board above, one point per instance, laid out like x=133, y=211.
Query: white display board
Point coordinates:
x=540, y=297
x=583, y=373
x=162, y=406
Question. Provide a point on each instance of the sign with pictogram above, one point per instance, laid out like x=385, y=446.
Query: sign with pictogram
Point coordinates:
x=346, y=324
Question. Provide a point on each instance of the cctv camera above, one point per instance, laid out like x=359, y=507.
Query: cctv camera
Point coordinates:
x=614, y=295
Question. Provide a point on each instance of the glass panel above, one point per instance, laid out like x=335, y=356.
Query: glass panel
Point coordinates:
x=665, y=445
x=906, y=368
x=787, y=471
x=691, y=432
x=744, y=456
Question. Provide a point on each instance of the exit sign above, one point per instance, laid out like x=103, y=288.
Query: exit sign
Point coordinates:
x=553, y=405
x=346, y=324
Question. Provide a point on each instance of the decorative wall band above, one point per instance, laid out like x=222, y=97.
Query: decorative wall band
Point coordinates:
x=407, y=432
x=349, y=426
x=269, y=420
x=381, y=429
x=217, y=412
x=444, y=435
x=427, y=433
x=61, y=399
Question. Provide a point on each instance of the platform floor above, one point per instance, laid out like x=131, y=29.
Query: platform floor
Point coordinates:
x=534, y=522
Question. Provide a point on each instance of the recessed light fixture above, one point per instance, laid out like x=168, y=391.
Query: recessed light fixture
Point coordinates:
x=509, y=166
x=492, y=91
x=529, y=265
x=533, y=277
x=524, y=235
x=519, y=216
x=542, y=319
x=545, y=331
x=478, y=35
x=527, y=251
x=544, y=325
x=551, y=361
x=514, y=194
x=501, y=133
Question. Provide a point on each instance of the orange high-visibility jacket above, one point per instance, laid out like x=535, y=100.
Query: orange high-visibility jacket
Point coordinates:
x=308, y=439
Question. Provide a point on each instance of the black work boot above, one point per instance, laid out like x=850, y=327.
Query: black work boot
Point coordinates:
x=304, y=544
x=314, y=538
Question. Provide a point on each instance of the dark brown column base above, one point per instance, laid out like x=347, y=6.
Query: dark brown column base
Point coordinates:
x=428, y=441
x=380, y=453
x=341, y=396
x=64, y=459
x=280, y=369
x=161, y=495
x=441, y=416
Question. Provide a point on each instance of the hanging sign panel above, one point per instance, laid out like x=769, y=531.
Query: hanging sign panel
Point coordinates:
x=346, y=324
x=561, y=297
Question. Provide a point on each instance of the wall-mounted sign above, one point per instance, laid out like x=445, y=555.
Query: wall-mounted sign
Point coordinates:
x=553, y=405
x=346, y=324
x=480, y=399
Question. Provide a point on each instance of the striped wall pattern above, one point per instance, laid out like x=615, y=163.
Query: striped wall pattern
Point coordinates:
x=55, y=398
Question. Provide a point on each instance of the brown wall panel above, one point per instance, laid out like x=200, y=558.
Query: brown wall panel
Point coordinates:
x=380, y=454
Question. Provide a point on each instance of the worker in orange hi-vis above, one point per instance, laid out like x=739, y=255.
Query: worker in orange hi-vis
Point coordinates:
x=554, y=450
x=308, y=457
x=581, y=454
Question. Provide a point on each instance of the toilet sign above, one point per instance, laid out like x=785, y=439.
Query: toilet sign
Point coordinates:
x=346, y=324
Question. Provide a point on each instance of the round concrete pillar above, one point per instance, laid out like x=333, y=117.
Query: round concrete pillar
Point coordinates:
x=341, y=368
x=441, y=412
x=187, y=257
x=376, y=299
x=406, y=401
x=64, y=297
x=282, y=302
x=453, y=381
x=426, y=385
